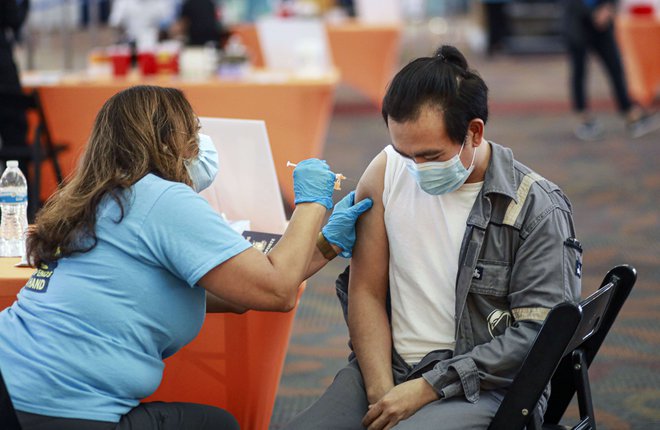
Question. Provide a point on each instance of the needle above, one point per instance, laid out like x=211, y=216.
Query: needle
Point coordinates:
x=338, y=176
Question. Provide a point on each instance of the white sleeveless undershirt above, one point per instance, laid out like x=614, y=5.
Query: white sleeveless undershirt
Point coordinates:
x=425, y=234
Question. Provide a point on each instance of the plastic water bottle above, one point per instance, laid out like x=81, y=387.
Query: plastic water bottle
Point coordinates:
x=13, y=204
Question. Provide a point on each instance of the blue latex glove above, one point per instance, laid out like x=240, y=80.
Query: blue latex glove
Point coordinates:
x=314, y=182
x=340, y=229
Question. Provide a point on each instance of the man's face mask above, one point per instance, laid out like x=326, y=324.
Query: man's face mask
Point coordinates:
x=441, y=177
x=203, y=168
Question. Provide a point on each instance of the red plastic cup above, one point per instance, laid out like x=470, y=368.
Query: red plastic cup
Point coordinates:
x=147, y=63
x=121, y=60
x=641, y=10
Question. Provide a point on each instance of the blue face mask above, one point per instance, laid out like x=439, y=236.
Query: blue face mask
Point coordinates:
x=203, y=168
x=441, y=177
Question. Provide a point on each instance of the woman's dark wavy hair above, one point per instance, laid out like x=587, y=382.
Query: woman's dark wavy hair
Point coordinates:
x=141, y=130
x=444, y=81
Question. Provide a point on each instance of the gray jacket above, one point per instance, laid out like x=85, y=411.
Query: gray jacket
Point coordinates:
x=519, y=258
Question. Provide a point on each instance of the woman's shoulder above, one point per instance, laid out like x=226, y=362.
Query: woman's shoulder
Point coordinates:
x=155, y=194
x=152, y=190
x=154, y=185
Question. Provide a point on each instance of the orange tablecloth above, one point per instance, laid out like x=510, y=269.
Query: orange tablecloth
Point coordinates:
x=639, y=41
x=297, y=114
x=365, y=55
x=234, y=363
x=12, y=279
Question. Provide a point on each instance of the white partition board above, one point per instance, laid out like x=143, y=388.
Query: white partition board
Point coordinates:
x=246, y=186
x=294, y=44
x=379, y=11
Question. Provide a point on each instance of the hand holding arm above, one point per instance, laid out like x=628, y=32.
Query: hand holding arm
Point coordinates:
x=338, y=235
x=340, y=229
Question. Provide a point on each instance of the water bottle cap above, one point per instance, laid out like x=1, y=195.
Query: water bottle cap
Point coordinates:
x=12, y=163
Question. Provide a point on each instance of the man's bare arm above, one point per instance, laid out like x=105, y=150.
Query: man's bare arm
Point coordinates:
x=367, y=316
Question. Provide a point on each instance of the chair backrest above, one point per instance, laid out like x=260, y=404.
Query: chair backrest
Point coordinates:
x=563, y=381
x=8, y=420
x=568, y=329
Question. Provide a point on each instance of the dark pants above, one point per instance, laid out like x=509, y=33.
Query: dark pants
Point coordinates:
x=497, y=20
x=604, y=45
x=344, y=404
x=146, y=416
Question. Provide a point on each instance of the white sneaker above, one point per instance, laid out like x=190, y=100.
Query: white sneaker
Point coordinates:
x=648, y=123
x=590, y=130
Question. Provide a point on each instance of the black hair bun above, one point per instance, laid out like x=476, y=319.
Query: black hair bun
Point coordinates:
x=450, y=54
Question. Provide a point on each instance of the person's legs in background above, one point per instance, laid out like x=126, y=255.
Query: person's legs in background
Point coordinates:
x=638, y=121
x=496, y=20
x=588, y=128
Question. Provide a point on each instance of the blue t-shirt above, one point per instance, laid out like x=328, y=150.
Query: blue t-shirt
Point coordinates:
x=88, y=334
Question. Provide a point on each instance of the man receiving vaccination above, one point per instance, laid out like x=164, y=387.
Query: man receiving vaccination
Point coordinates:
x=455, y=267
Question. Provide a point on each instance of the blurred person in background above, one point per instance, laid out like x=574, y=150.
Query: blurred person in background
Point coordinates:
x=257, y=8
x=88, y=14
x=13, y=125
x=589, y=25
x=140, y=21
x=348, y=6
x=198, y=23
x=497, y=21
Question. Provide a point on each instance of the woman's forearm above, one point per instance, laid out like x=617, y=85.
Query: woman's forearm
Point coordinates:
x=295, y=257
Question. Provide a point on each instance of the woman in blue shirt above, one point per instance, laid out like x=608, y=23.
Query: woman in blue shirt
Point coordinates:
x=129, y=258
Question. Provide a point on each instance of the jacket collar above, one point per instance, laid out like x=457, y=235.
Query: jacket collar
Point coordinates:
x=500, y=176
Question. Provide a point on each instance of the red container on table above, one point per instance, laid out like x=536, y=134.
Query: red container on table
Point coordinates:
x=120, y=57
x=641, y=9
x=147, y=63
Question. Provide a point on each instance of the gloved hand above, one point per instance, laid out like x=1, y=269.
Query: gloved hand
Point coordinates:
x=313, y=182
x=340, y=229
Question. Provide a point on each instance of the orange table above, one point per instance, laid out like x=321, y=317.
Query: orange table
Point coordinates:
x=639, y=41
x=297, y=114
x=12, y=279
x=365, y=55
x=235, y=362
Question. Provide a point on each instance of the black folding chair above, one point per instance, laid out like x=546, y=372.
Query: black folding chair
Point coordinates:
x=561, y=354
x=37, y=150
x=8, y=420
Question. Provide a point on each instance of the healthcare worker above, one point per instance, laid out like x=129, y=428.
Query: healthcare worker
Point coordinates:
x=129, y=258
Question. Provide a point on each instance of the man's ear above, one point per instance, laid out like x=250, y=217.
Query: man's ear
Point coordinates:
x=475, y=131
